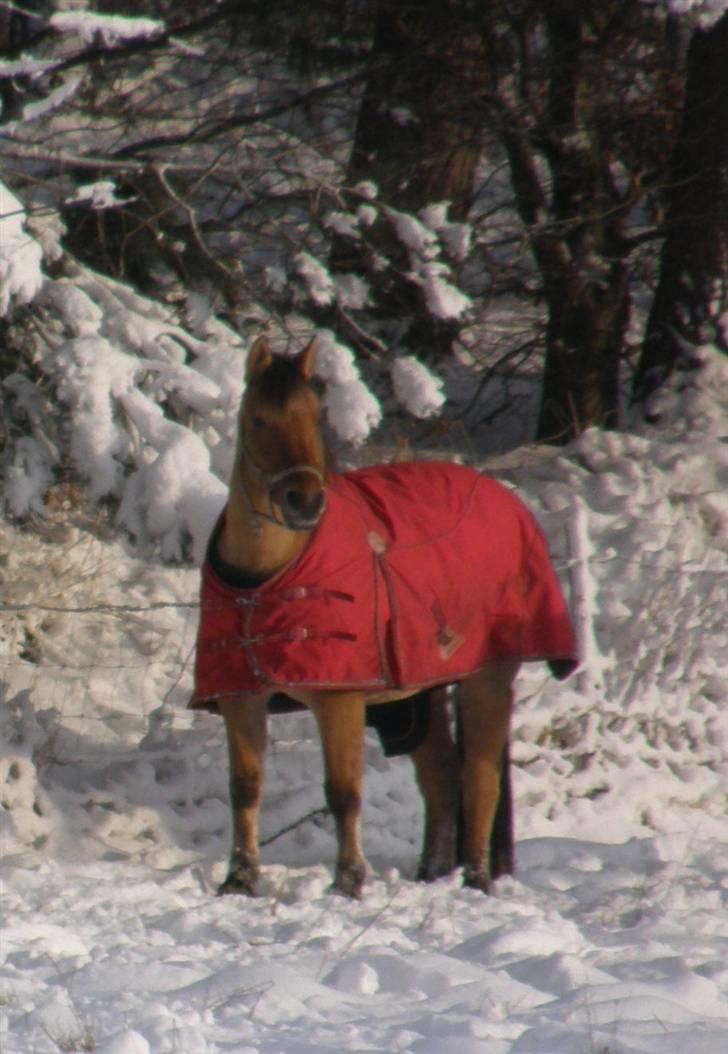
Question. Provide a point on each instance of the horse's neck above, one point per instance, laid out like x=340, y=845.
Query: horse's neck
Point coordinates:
x=252, y=545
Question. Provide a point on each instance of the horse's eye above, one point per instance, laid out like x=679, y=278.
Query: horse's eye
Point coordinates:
x=258, y=421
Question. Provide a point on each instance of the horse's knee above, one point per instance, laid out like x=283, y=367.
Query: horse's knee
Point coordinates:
x=245, y=789
x=343, y=800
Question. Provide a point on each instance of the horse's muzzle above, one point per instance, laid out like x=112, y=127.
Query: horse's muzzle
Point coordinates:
x=300, y=494
x=301, y=511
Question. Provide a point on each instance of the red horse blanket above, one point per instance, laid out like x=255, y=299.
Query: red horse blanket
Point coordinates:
x=417, y=575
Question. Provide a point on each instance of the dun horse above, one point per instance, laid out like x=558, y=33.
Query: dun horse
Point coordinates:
x=346, y=593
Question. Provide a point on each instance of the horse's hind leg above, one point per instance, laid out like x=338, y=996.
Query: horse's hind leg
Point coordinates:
x=486, y=701
x=341, y=726
x=246, y=726
x=501, y=835
x=437, y=769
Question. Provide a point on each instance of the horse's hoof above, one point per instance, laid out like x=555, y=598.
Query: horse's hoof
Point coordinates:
x=432, y=874
x=349, y=882
x=238, y=883
x=437, y=863
x=501, y=864
x=476, y=879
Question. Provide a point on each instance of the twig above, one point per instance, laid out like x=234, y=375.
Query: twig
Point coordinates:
x=94, y=609
x=296, y=823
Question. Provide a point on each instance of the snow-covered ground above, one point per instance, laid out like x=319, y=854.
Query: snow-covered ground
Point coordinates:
x=613, y=937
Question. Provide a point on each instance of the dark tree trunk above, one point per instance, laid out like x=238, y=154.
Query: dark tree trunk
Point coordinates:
x=693, y=289
x=418, y=138
x=584, y=339
x=558, y=139
x=419, y=130
x=587, y=291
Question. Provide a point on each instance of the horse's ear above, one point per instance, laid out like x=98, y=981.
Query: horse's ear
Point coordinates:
x=259, y=358
x=306, y=360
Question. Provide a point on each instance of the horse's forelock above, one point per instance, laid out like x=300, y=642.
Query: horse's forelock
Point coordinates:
x=280, y=382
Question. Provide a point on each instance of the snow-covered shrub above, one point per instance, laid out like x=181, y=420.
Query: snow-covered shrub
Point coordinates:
x=20, y=255
x=210, y=225
x=116, y=389
x=26, y=818
x=431, y=245
x=139, y=406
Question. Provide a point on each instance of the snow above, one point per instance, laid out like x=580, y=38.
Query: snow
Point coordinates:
x=612, y=937
x=118, y=358
x=366, y=189
x=99, y=195
x=317, y=278
x=20, y=255
x=457, y=237
x=25, y=66
x=352, y=410
x=416, y=387
x=418, y=238
x=341, y=223
x=53, y=101
x=352, y=292
x=424, y=240
x=443, y=299
x=366, y=215
x=705, y=12
x=108, y=29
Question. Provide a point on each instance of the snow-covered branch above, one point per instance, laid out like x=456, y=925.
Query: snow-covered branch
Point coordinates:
x=20, y=255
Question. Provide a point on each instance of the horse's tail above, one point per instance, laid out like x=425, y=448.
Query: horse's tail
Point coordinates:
x=502, y=860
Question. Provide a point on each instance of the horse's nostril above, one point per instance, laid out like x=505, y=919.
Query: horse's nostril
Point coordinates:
x=317, y=503
x=306, y=507
x=296, y=500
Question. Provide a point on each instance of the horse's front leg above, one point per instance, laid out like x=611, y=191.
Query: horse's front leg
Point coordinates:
x=486, y=702
x=340, y=718
x=246, y=726
x=437, y=768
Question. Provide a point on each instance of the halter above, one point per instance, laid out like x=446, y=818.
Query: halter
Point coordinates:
x=270, y=480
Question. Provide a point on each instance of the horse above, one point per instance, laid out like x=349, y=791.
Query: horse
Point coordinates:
x=281, y=627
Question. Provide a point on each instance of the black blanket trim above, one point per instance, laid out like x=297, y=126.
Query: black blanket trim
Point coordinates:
x=401, y=726
x=562, y=668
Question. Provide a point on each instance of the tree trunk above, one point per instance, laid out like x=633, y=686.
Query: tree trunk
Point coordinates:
x=419, y=130
x=583, y=350
x=556, y=139
x=418, y=138
x=692, y=292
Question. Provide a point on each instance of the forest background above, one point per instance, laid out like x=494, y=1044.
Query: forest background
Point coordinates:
x=509, y=220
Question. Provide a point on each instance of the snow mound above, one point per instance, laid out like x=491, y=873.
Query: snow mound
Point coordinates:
x=611, y=937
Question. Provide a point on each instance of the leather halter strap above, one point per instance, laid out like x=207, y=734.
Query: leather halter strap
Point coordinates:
x=271, y=479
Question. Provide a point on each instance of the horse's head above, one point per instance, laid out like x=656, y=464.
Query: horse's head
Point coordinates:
x=283, y=457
